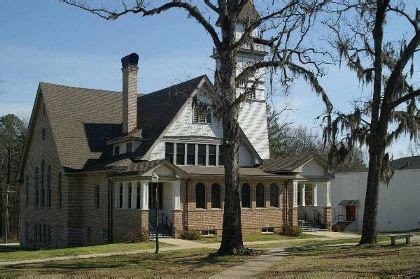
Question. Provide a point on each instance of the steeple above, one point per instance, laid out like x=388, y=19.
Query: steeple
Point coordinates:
x=253, y=112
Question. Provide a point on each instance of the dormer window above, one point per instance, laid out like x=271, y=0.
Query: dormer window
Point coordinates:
x=116, y=150
x=202, y=114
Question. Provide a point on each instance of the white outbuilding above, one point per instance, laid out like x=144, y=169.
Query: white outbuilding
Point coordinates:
x=399, y=202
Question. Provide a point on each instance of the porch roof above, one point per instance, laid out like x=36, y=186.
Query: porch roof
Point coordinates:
x=220, y=171
x=349, y=202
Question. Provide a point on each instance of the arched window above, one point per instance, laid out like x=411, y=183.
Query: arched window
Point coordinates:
x=138, y=195
x=49, y=186
x=246, y=195
x=42, y=183
x=274, y=195
x=121, y=189
x=36, y=186
x=200, y=196
x=60, y=189
x=130, y=189
x=260, y=195
x=215, y=196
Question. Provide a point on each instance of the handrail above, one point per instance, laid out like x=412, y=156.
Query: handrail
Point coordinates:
x=164, y=217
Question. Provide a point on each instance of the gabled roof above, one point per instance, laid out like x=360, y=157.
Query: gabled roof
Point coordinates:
x=156, y=110
x=84, y=120
x=285, y=164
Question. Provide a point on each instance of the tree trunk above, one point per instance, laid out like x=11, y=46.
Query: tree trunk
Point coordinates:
x=225, y=79
x=232, y=227
x=376, y=139
x=369, y=230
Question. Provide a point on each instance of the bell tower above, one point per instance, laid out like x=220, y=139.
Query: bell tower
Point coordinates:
x=253, y=111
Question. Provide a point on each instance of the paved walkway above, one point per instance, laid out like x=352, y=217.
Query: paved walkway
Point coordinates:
x=253, y=267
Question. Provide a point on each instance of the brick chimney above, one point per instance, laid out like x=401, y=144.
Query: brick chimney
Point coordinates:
x=129, y=90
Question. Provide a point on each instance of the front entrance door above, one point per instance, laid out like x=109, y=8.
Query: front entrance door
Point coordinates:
x=152, y=200
x=350, y=213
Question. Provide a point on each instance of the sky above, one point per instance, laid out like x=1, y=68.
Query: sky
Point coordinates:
x=53, y=42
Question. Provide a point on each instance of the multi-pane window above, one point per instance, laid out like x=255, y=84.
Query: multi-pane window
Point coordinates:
x=215, y=196
x=130, y=189
x=260, y=199
x=60, y=189
x=49, y=186
x=97, y=196
x=221, y=155
x=201, y=154
x=190, y=154
x=212, y=155
x=180, y=154
x=246, y=195
x=129, y=147
x=42, y=183
x=202, y=114
x=36, y=186
x=274, y=195
x=169, y=152
x=121, y=193
x=200, y=196
x=138, y=196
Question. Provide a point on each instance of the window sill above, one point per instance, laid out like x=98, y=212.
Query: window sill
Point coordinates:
x=267, y=233
x=200, y=209
x=216, y=209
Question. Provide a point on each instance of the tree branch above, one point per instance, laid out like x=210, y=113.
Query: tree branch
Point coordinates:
x=112, y=15
x=405, y=98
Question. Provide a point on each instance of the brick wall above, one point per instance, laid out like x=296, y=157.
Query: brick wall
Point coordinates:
x=253, y=219
x=51, y=218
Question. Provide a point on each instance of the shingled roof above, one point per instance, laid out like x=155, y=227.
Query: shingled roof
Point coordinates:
x=406, y=163
x=285, y=164
x=84, y=120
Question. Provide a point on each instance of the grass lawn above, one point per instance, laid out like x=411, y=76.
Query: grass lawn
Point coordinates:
x=184, y=263
x=17, y=253
x=348, y=262
x=258, y=237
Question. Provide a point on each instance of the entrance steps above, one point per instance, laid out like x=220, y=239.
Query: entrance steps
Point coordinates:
x=311, y=226
x=164, y=232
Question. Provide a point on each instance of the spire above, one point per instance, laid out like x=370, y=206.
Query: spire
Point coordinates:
x=248, y=14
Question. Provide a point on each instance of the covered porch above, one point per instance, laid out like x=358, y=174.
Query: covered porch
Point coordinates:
x=313, y=202
x=136, y=197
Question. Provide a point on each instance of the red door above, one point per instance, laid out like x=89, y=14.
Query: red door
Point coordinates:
x=350, y=213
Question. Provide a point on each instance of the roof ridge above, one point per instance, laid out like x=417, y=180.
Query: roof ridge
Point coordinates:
x=174, y=85
x=41, y=83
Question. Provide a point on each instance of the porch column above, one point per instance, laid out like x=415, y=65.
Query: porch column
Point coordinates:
x=176, y=195
x=315, y=195
x=328, y=194
x=303, y=195
x=176, y=212
x=144, y=197
x=295, y=193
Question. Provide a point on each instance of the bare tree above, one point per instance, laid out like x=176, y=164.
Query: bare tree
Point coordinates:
x=392, y=109
x=286, y=25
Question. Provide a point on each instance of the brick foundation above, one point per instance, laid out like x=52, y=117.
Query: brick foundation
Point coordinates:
x=328, y=217
x=177, y=223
